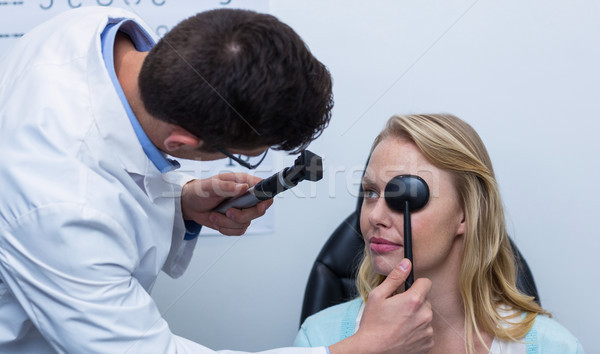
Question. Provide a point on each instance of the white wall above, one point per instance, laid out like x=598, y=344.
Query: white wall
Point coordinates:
x=523, y=73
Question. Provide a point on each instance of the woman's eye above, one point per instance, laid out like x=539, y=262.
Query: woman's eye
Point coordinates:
x=370, y=194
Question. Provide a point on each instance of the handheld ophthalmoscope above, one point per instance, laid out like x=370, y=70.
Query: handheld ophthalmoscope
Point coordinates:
x=308, y=166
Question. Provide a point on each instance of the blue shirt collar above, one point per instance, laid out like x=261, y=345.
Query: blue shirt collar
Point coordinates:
x=143, y=42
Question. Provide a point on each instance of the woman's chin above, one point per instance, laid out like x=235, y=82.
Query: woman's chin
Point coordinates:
x=383, y=268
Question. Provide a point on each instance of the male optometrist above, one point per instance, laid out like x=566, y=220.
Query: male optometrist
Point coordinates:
x=92, y=208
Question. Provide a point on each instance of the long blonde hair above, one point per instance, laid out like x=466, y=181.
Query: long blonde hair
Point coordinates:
x=487, y=276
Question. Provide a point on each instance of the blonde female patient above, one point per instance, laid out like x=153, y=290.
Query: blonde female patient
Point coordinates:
x=460, y=244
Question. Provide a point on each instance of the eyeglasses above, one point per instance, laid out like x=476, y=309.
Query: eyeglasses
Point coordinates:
x=242, y=162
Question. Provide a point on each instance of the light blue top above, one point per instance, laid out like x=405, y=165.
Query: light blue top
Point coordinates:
x=338, y=322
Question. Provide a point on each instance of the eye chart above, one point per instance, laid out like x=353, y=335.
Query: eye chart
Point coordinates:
x=18, y=16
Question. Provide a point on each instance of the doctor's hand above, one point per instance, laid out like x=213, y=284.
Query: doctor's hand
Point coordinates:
x=393, y=323
x=200, y=196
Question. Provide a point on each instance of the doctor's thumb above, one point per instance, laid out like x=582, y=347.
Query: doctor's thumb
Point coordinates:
x=395, y=279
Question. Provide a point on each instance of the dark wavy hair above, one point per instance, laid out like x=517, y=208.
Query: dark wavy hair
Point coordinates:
x=238, y=79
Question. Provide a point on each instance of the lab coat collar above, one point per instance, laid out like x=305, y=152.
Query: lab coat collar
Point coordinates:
x=109, y=115
x=142, y=41
x=115, y=127
x=120, y=138
x=113, y=123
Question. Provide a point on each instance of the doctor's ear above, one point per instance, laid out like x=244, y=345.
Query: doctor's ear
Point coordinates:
x=178, y=138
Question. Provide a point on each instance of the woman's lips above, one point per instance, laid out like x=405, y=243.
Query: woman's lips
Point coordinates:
x=380, y=245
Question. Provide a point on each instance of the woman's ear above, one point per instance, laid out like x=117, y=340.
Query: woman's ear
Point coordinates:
x=180, y=138
x=462, y=226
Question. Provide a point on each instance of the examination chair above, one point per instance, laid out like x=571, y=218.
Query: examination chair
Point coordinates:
x=332, y=278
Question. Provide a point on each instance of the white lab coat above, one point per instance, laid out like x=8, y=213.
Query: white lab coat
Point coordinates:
x=86, y=220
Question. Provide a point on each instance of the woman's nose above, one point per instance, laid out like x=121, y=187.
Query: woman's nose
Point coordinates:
x=379, y=215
